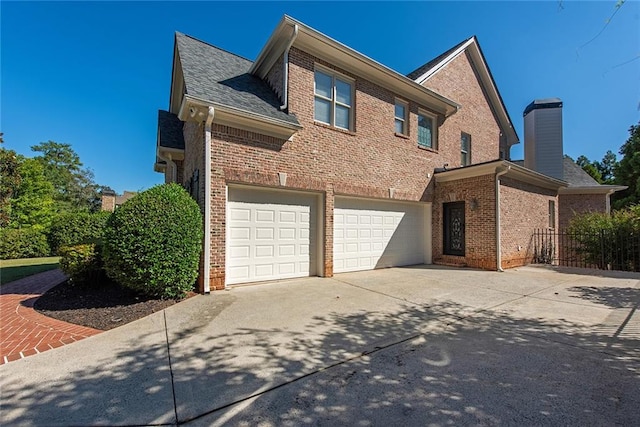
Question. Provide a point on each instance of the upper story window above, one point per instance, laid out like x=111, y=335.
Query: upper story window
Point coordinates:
x=427, y=131
x=465, y=149
x=401, y=122
x=333, y=100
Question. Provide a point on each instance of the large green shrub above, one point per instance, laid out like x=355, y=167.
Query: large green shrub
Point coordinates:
x=153, y=242
x=609, y=241
x=75, y=228
x=82, y=263
x=23, y=243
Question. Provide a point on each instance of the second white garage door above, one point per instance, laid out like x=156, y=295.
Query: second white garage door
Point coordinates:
x=270, y=234
x=372, y=234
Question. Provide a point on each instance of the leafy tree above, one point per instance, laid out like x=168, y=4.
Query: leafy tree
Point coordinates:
x=627, y=172
x=9, y=181
x=74, y=186
x=589, y=168
x=607, y=167
x=32, y=202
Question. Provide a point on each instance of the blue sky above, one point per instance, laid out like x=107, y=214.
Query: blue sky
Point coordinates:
x=94, y=74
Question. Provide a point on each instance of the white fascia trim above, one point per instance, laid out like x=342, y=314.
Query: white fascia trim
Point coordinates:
x=440, y=65
x=195, y=109
x=600, y=189
x=275, y=47
x=487, y=81
x=516, y=172
x=176, y=153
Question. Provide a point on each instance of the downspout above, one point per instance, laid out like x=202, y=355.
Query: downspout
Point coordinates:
x=207, y=199
x=498, y=237
x=285, y=70
x=171, y=165
x=608, y=201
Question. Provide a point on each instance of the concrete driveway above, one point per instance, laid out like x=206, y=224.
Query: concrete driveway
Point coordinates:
x=402, y=346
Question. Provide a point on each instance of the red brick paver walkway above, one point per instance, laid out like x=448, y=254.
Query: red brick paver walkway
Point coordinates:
x=24, y=331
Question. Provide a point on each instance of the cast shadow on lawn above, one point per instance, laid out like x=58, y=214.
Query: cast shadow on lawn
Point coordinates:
x=367, y=368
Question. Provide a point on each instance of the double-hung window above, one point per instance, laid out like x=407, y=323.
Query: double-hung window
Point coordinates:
x=401, y=122
x=427, y=131
x=465, y=149
x=333, y=100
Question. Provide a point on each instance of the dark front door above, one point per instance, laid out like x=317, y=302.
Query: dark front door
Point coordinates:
x=454, y=228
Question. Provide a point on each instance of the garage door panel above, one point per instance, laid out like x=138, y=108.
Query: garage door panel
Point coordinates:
x=271, y=235
x=377, y=234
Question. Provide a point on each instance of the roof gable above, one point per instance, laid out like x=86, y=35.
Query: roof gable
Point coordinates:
x=291, y=32
x=472, y=48
x=215, y=75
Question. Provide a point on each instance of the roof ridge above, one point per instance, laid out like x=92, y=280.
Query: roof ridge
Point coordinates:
x=213, y=46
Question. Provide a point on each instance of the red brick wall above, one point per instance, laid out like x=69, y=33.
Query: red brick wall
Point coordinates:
x=523, y=209
x=194, y=156
x=478, y=193
x=458, y=82
x=366, y=162
x=576, y=204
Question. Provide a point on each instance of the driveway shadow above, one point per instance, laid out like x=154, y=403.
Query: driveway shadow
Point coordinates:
x=401, y=365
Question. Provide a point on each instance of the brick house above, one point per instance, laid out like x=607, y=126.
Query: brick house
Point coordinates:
x=315, y=159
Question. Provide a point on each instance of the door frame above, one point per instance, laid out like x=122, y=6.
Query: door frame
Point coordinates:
x=446, y=228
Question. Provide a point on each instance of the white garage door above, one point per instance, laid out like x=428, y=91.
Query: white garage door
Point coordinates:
x=270, y=234
x=375, y=234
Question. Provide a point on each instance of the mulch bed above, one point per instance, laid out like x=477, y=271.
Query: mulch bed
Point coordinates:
x=101, y=306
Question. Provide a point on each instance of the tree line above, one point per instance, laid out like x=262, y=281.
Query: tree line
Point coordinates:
x=34, y=190
x=624, y=172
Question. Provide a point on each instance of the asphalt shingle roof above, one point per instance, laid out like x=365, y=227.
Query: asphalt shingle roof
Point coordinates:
x=572, y=173
x=575, y=175
x=170, y=130
x=216, y=75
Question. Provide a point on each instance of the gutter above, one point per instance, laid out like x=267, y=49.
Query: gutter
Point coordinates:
x=207, y=199
x=285, y=70
x=499, y=173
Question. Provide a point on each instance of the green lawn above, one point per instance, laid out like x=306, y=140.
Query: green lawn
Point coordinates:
x=14, y=269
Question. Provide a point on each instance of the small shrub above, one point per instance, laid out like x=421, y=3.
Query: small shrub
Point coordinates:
x=77, y=228
x=82, y=263
x=23, y=243
x=152, y=243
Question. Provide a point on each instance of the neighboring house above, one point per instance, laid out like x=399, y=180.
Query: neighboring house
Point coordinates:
x=110, y=200
x=315, y=159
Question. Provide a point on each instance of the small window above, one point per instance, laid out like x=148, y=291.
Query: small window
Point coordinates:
x=333, y=100
x=552, y=214
x=427, y=131
x=465, y=149
x=401, y=118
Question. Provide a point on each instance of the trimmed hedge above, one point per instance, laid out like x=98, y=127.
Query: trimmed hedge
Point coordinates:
x=77, y=228
x=82, y=263
x=23, y=243
x=152, y=243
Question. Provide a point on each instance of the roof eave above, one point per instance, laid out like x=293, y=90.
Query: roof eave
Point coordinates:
x=593, y=189
x=196, y=109
x=324, y=47
x=512, y=171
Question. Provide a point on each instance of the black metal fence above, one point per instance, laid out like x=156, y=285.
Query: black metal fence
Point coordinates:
x=604, y=250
